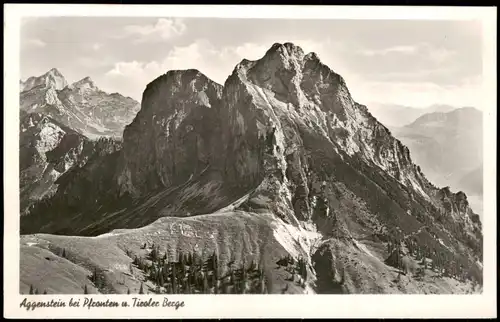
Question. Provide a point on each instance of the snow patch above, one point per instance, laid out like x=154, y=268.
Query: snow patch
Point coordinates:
x=417, y=187
x=442, y=243
x=309, y=290
x=110, y=234
x=234, y=205
x=363, y=248
x=31, y=244
x=295, y=240
x=50, y=136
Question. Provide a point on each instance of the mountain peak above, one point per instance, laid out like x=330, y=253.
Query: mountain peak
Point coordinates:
x=54, y=72
x=52, y=78
x=85, y=83
x=182, y=78
x=285, y=51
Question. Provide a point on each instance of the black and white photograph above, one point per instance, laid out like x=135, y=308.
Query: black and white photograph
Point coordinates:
x=176, y=155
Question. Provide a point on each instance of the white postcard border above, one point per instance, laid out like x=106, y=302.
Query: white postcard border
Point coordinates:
x=220, y=306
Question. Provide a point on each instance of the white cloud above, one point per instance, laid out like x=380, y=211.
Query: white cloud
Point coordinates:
x=216, y=63
x=35, y=42
x=96, y=46
x=131, y=78
x=439, y=55
x=385, y=51
x=163, y=29
x=419, y=94
x=424, y=50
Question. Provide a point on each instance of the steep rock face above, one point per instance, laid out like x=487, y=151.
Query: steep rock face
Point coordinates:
x=179, y=111
x=282, y=137
x=81, y=106
x=287, y=96
x=48, y=149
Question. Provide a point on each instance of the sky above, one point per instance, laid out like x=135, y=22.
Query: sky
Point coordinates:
x=414, y=63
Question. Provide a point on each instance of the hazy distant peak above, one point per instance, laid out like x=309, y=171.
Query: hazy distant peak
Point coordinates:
x=52, y=78
x=467, y=109
x=85, y=82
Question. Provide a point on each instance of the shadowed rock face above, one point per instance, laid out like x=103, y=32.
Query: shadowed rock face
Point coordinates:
x=180, y=113
x=48, y=150
x=282, y=136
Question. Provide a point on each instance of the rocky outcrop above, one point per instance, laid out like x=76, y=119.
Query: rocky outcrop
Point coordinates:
x=48, y=149
x=180, y=113
x=82, y=106
x=283, y=136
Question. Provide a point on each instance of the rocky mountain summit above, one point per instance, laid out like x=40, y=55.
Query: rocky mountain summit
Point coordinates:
x=82, y=106
x=280, y=167
x=51, y=79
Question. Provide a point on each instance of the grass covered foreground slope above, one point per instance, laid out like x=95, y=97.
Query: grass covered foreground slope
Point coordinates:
x=279, y=171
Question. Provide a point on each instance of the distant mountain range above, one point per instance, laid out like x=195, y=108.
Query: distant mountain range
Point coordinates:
x=400, y=115
x=82, y=106
x=449, y=148
x=63, y=126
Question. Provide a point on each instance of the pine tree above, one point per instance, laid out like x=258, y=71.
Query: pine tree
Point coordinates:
x=94, y=276
x=45, y=292
x=187, y=288
x=215, y=282
x=205, y=284
x=233, y=278
x=181, y=257
x=64, y=253
x=243, y=281
x=36, y=291
x=160, y=279
x=263, y=288
x=214, y=260
x=141, y=290
x=154, y=254
x=174, y=279
x=31, y=290
x=128, y=290
x=227, y=288
x=195, y=259
x=243, y=270
x=85, y=290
